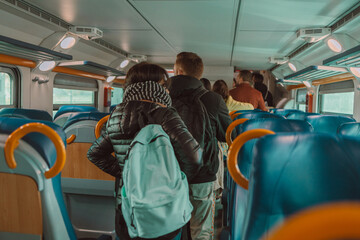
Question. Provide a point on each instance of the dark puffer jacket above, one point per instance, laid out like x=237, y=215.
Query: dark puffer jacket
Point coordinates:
x=182, y=90
x=125, y=122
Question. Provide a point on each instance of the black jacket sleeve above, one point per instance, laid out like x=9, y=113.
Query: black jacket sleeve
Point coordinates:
x=224, y=120
x=100, y=154
x=187, y=149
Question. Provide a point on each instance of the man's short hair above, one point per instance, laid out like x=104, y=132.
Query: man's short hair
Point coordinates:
x=246, y=76
x=258, y=78
x=190, y=63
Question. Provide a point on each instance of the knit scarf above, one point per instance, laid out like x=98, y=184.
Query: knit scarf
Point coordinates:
x=148, y=90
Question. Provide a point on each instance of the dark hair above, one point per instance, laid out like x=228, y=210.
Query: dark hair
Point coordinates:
x=221, y=88
x=144, y=71
x=191, y=64
x=206, y=83
x=246, y=76
x=258, y=78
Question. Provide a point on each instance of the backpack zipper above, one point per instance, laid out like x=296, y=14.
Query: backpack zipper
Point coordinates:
x=132, y=218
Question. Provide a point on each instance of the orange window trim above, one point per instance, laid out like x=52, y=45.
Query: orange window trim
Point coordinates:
x=17, y=61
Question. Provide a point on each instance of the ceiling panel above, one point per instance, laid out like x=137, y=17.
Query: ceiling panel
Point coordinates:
x=139, y=42
x=204, y=27
x=290, y=15
x=104, y=14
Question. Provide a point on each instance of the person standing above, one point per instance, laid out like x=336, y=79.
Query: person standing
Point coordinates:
x=244, y=91
x=207, y=118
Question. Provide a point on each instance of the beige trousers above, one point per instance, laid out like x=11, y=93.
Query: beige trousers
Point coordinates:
x=202, y=219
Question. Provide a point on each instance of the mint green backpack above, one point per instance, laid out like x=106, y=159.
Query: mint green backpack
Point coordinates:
x=155, y=194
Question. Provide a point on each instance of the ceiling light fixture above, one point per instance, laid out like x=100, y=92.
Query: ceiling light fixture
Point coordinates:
x=124, y=63
x=334, y=45
x=292, y=66
x=68, y=42
x=47, y=66
x=355, y=71
x=110, y=79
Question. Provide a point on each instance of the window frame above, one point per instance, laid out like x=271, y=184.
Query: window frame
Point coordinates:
x=297, y=103
x=338, y=90
x=14, y=79
x=73, y=78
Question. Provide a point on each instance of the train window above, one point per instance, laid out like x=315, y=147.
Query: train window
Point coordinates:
x=337, y=98
x=72, y=90
x=301, y=99
x=8, y=87
x=116, y=94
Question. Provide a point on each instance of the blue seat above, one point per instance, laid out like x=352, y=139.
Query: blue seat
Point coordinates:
x=26, y=114
x=294, y=171
x=238, y=197
x=249, y=111
x=285, y=112
x=83, y=116
x=65, y=112
x=85, y=186
x=35, y=155
x=327, y=123
x=350, y=129
x=299, y=115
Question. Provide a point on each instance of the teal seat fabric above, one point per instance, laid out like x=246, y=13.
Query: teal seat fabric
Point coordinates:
x=284, y=112
x=249, y=111
x=299, y=115
x=292, y=172
x=73, y=108
x=350, y=129
x=239, y=197
x=82, y=116
x=47, y=152
x=26, y=114
x=327, y=123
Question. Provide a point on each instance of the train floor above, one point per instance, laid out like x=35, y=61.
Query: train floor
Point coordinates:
x=218, y=223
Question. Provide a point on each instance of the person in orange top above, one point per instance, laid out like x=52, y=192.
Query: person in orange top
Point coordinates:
x=244, y=91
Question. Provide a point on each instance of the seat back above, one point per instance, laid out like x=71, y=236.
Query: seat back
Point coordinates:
x=327, y=123
x=66, y=111
x=288, y=175
x=245, y=158
x=32, y=206
x=26, y=114
x=349, y=129
x=299, y=115
x=85, y=185
x=285, y=112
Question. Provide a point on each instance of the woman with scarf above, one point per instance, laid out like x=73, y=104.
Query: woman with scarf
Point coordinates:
x=145, y=101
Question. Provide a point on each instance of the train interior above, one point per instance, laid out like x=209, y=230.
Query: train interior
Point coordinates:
x=63, y=67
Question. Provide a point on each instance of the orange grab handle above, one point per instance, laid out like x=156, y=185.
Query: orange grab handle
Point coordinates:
x=13, y=141
x=99, y=125
x=234, y=115
x=71, y=139
x=231, y=128
x=232, y=162
x=330, y=221
x=232, y=112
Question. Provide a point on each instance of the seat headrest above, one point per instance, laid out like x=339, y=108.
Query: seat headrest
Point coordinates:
x=327, y=123
x=277, y=125
x=300, y=115
x=82, y=116
x=38, y=141
x=296, y=171
x=284, y=112
x=74, y=108
x=349, y=129
x=254, y=115
x=26, y=114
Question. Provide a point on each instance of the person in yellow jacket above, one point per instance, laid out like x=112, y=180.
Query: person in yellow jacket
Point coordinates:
x=221, y=88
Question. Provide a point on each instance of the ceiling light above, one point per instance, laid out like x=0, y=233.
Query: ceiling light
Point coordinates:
x=307, y=84
x=47, y=66
x=110, y=79
x=334, y=45
x=124, y=63
x=292, y=66
x=355, y=71
x=68, y=42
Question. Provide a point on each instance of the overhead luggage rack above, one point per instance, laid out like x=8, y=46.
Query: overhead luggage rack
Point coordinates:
x=16, y=48
x=312, y=73
x=349, y=58
x=91, y=67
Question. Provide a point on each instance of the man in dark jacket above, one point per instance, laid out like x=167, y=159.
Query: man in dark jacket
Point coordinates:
x=207, y=120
